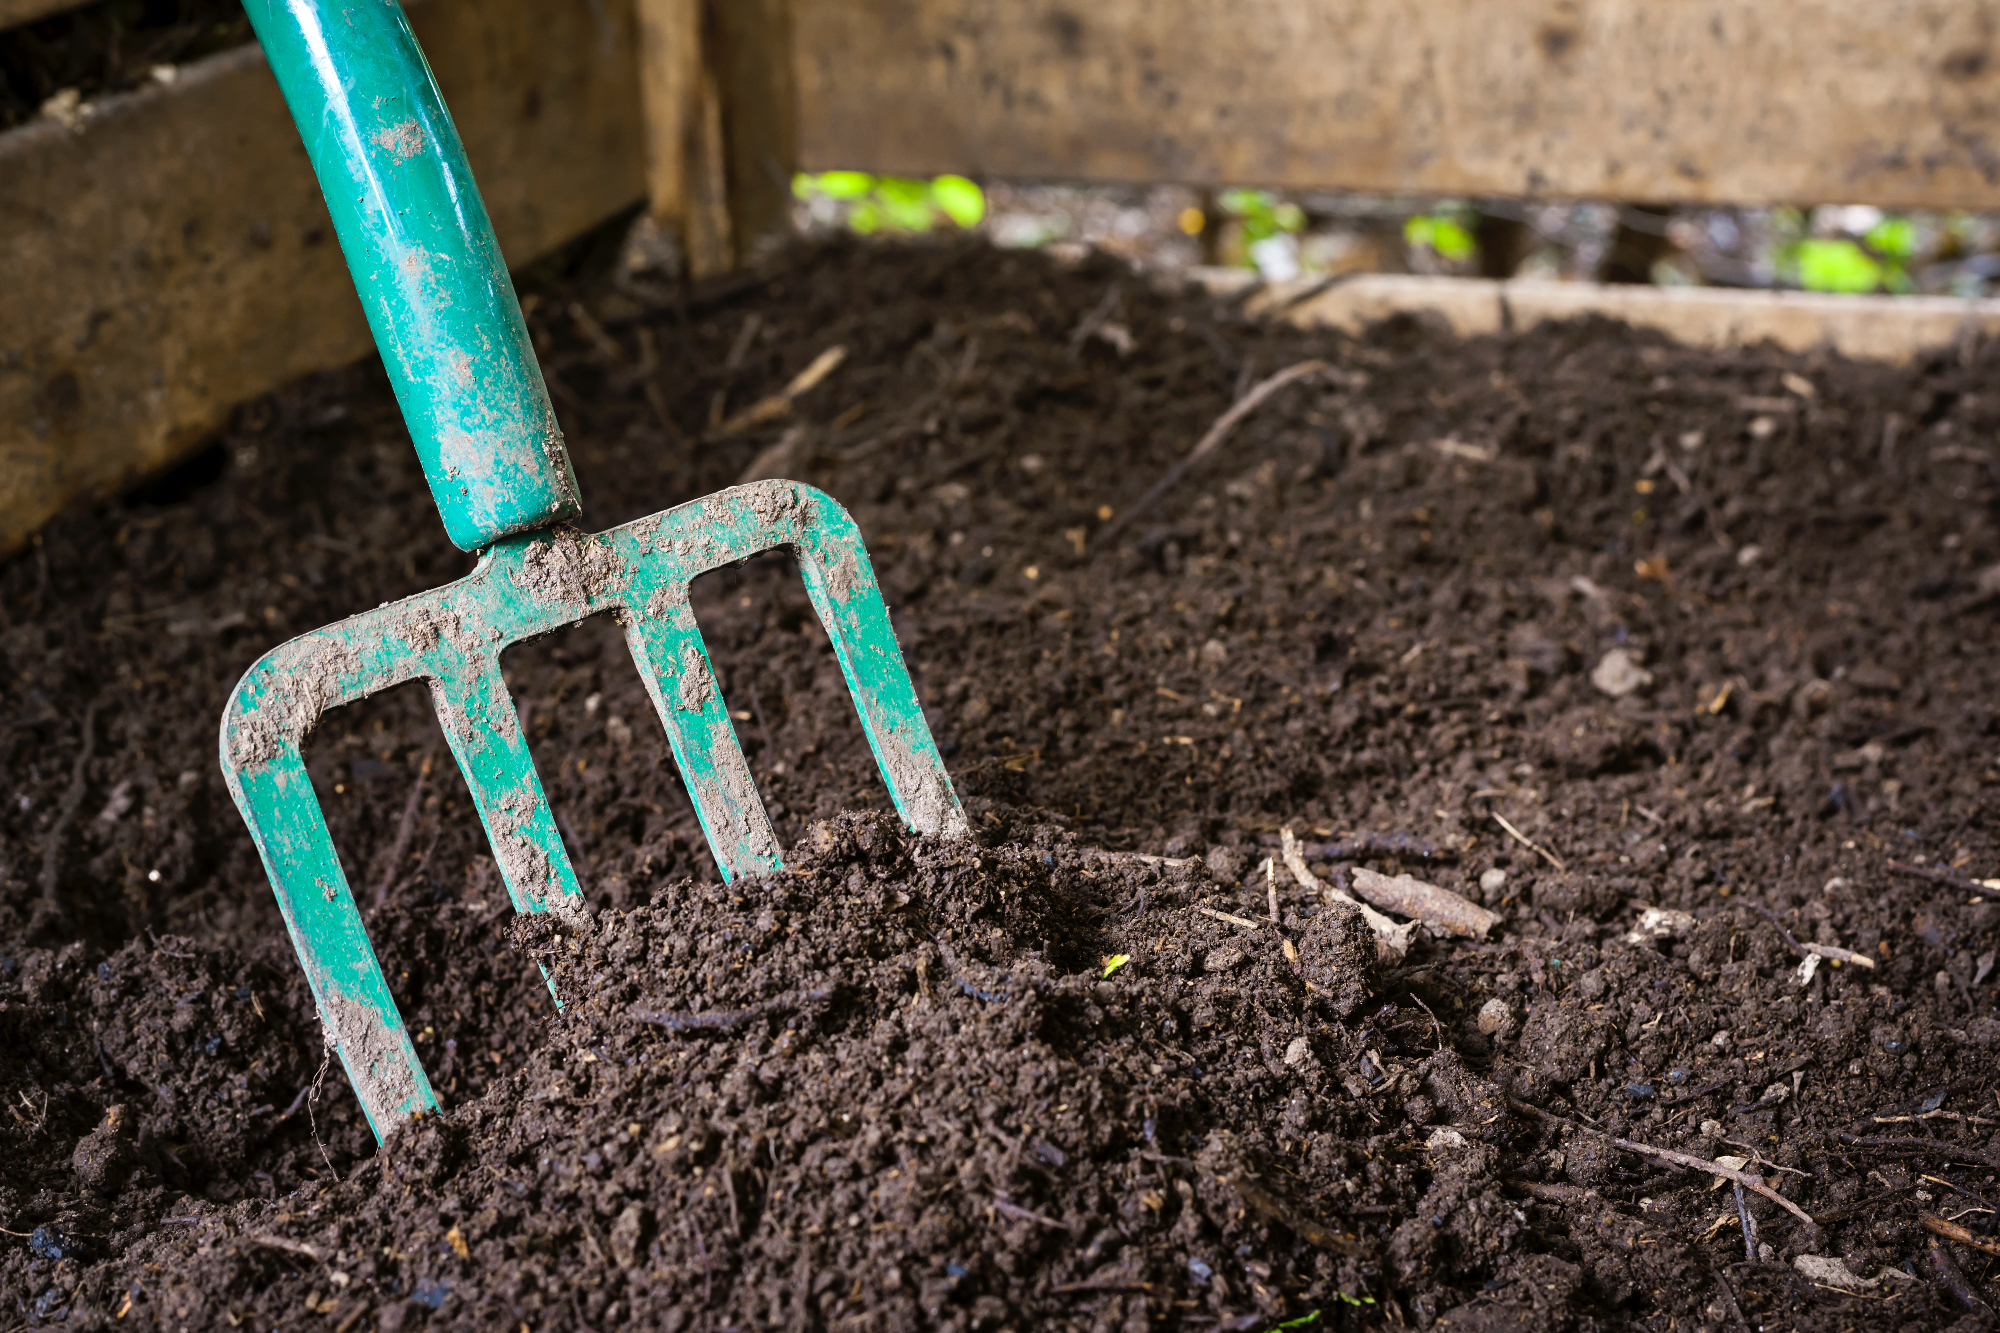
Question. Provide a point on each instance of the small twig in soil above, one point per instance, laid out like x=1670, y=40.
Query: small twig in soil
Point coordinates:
x=79, y=785
x=1271, y=885
x=312, y=1099
x=773, y=406
x=1935, y=1147
x=1374, y=844
x=1392, y=941
x=1231, y=918
x=282, y=1243
x=1946, y=877
x=1099, y=1288
x=1749, y=1227
x=1021, y=1214
x=400, y=847
x=1953, y=1231
x=707, y=1277
x=1569, y=1196
x=1261, y=1200
x=726, y=1019
x=1834, y=952
x=1528, y=842
x=1729, y=1295
x=1094, y=321
x=1744, y=1178
x=1217, y=433
x=1945, y=1269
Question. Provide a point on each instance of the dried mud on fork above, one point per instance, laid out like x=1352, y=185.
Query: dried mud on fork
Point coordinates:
x=907, y=1083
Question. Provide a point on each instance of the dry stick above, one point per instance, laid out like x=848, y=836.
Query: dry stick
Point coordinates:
x=1020, y=1214
x=1835, y=952
x=1271, y=885
x=1944, y=877
x=1946, y=1270
x=1528, y=842
x=282, y=1243
x=1749, y=1227
x=1744, y=1178
x=79, y=785
x=1953, y=1231
x=1231, y=918
x=1935, y=1147
x=1217, y=433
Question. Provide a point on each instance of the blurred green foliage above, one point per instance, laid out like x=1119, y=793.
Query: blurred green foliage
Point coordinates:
x=1878, y=261
x=895, y=203
x=1447, y=231
x=1261, y=214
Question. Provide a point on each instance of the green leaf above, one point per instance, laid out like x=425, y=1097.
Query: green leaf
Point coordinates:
x=1836, y=266
x=1300, y=1322
x=1289, y=217
x=1242, y=202
x=962, y=201
x=1115, y=961
x=846, y=184
x=903, y=190
x=1893, y=238
x=1440, y=233
x=865, y=218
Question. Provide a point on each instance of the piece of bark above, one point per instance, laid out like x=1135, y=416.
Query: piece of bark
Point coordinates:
x=1406, y=895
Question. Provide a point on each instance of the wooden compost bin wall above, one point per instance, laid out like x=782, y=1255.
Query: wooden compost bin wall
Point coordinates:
x=1887, y=102
x=172, y=257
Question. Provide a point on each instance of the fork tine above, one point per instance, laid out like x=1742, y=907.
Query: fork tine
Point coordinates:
x=348, y=987
x=667, y=647
x=500, y=773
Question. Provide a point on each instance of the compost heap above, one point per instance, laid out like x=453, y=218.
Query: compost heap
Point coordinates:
x=1713, y=633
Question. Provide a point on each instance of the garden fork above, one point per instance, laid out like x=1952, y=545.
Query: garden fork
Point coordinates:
x=442, y=308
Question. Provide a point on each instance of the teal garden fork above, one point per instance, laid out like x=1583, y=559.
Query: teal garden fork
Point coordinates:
x=442, y=308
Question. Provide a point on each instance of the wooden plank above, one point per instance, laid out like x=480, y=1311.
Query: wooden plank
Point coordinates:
x=15, y=13
x=1889, y=102
x=1881, y=328
x=722, y=124
x=172, y=257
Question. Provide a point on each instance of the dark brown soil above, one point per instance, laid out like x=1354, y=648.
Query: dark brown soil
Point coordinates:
x=112, y=46
x=893, y=1086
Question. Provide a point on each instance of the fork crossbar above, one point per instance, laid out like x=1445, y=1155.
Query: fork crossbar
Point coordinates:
x=452, y=638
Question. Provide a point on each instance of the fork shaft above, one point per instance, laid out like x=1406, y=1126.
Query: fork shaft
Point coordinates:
x=425, y=263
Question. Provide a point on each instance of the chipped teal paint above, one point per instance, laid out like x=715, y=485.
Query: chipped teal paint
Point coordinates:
x=429, y=273
x=452, y=637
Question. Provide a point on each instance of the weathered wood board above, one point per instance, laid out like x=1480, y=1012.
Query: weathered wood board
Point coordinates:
x=172, y=257
x=14, y=13
x=1875, y=328
x=1888, y=102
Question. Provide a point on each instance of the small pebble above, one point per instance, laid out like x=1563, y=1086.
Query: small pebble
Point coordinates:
x=1494, y=1015
x=1222, y=959
x=1493, y=880
x=1642, y=1091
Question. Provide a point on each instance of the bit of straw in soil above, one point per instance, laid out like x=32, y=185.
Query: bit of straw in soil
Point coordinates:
x=1210, y=442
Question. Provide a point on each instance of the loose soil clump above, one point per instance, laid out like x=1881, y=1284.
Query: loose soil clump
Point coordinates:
x=1712, y=634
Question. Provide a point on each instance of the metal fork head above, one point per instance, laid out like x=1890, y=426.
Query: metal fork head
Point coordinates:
x=452, y=637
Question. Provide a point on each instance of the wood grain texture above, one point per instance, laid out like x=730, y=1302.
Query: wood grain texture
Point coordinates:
x=15, y=13
x=173, y=257
x=722, y=124
x=1878, y=328
x=1890, y=102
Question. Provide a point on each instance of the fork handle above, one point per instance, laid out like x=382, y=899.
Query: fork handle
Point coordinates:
x=425, y=263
